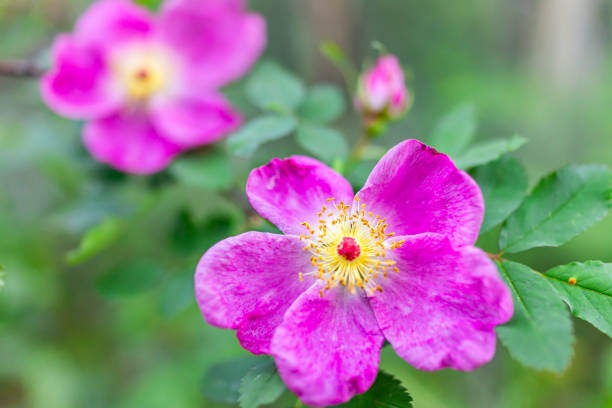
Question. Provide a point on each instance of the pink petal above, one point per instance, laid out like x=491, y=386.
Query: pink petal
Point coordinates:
x=441, y=308
x=129, y=142
x=79, y=85
x=247, y=282
x=290, y=191
x=420, y=190
x=218, y=39
x=111, y=23
x=195, y=121
x=328, y=348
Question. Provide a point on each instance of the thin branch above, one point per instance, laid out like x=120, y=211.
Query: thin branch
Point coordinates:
x=20, y=69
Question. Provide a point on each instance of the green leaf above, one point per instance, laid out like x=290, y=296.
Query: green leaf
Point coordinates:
x=271, y=87
x=260, y=386
x=211, y=171
x=129, y=279
x=151, y=4
x=323, y=104
x=326, y=143
x=540, y=332
x=562, y=205
x=337, y=57
x=190, y=235
x=455, y=131
x=221, y=382
x=260, y=130
x=96, y=239
x=386, y=392
x=177, y=294
x=587, y=289
x=487, y=151
x=503, y=184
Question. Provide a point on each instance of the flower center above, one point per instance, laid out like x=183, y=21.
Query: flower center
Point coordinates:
x=142, y=71
x=349, y=247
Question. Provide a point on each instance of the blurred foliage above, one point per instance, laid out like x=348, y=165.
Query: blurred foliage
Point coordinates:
x=76, y=330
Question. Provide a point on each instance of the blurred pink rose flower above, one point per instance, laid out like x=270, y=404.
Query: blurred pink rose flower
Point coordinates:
x=397, y=262
x=382, y=90
x=147, y=84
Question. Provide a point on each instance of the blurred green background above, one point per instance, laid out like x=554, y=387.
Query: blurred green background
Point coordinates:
x=541, y=69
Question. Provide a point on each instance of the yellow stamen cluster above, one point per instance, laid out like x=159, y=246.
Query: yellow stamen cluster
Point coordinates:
x=338, y=220
x=142, y=72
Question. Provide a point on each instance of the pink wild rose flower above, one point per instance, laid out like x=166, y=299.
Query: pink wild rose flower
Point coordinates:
x=397, y=262
x=147, y=84
x=382, y=89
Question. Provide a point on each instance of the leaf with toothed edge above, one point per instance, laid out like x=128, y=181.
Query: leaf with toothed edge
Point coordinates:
x=539, y=334
x=386, y=392
x=587, y=289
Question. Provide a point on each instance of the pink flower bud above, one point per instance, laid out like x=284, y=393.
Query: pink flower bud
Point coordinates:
x=382, y=90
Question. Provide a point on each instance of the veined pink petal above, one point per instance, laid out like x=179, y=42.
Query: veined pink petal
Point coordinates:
x=420, y=190
x=441, y=308
x=108, y=24
x=218, y=40
x=327, y=349
x=129, y=142
x=79, y=86
x=196, y=120
x=290, y=191
x=247, y=282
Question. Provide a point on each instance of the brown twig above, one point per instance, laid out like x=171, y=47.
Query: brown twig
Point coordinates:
x=20, y=69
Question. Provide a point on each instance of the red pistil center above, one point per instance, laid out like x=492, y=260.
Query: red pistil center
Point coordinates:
x=348, y=248
x=142, y=74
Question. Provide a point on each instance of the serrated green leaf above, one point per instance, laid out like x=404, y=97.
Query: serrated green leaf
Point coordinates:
x=129, y=279
x=386, y=392
x=504, y=185
x=455, y=131
x=211, y=171
x=177, y=293
x=562, y=205
x=96, y=239
x=260, y=130
x=260, y=386
x=326, y=143
x=221, y=382
x=272, y=87
x=487, y=151
x=323, y=104
x=587, y=289
x=539, y=334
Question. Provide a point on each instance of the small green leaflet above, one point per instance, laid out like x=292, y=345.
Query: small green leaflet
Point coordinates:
x=129, y=279
x=587, y=289
x=336, y=56
x=271, y=87
x=386, y=392
x=260, y=386
x=324, y=142
x=503, y=184
x=323, y=104
x=96, y=239
x=455, y=131
x=489, y=150
x=260, y=130
x=539, y=334
x=221, y=382
x=210, y=171
x=562, y=205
